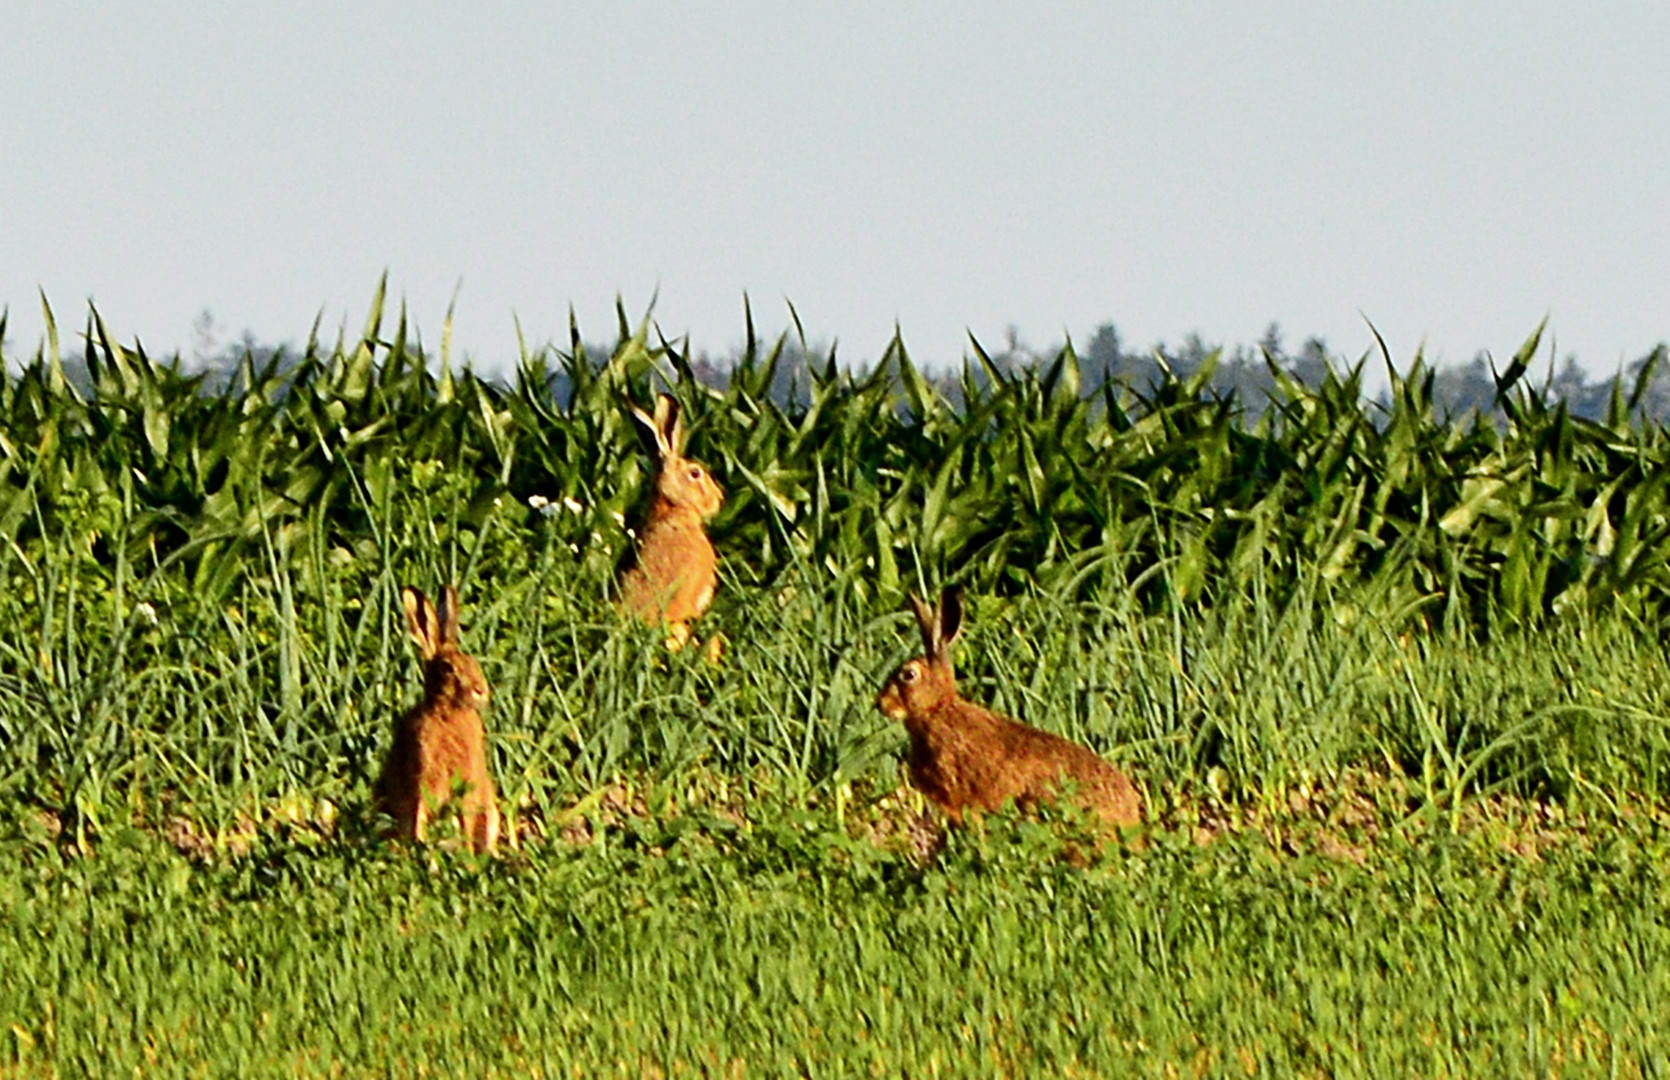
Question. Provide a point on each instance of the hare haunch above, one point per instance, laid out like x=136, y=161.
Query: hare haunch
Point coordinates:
x=674, y=569
x=964, y=757
x=440, y=743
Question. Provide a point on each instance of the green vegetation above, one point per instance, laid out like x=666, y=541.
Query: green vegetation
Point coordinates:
x=1394, y=689
x=773, y=945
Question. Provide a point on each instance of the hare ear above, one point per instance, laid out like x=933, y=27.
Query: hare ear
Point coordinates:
x=950, y=616
x=449, y=616
x=421, y=621
x=927, y=620
x=649, y=429
x=669, y=420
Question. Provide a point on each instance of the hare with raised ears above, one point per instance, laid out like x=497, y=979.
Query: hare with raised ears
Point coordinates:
x=964, y=757
x=674, y=571
x=440, y=743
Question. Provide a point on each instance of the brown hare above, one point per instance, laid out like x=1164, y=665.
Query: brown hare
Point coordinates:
x=440, y=743
x=671, y=578
x=964, y=757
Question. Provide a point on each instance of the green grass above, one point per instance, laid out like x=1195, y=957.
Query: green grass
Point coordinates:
x=1394, y=690
x=779, y=943
x=219, y=715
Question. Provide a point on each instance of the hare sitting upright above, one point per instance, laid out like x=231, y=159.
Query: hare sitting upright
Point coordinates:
x=964, y=757
x=671, y=578
x=440, y=743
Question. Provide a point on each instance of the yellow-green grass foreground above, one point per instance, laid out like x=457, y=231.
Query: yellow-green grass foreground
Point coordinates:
x=773, y=935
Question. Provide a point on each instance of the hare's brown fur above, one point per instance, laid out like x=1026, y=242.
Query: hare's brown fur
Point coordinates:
x=964, y=757
x=440, y=743
x=674, y=571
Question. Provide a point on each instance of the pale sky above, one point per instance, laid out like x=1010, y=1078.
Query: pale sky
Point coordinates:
x=1452, y=171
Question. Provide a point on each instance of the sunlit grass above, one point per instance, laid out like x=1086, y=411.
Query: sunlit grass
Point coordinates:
x=778, y=940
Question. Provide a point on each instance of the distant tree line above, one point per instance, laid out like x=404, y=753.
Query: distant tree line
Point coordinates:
x=1242, y=372
x=1247, y=373
x=1459, y=390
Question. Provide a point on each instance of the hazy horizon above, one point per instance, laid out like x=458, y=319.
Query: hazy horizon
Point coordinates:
x=1452, y=175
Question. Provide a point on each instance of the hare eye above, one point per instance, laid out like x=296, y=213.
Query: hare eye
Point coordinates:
x=909, y=674
x=695, y=473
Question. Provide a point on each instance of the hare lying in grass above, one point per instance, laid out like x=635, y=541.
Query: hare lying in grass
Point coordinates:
x=964, y=757
x=674, y=570
x=440, y=743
